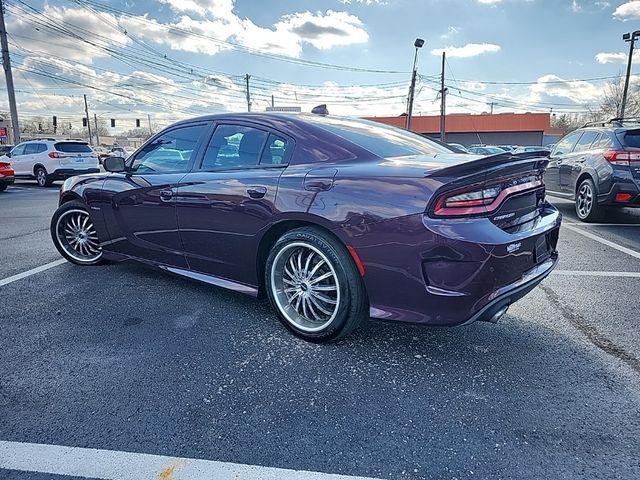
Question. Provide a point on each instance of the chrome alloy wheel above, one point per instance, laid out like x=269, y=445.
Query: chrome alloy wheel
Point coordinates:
x=77, y=236
x=41, y=177
x=584, y=201
x=305, y=287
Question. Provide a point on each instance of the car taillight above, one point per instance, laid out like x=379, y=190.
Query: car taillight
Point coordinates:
x=479, y=199
x=623, y=158
x=54, y=155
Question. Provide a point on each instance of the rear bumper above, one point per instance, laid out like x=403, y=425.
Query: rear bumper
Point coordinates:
x=64, y=173
x=452, y=271
x=6, y=180
x=609, y=198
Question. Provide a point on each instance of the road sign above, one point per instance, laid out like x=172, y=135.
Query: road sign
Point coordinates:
x=284, y=109
x=3, y=132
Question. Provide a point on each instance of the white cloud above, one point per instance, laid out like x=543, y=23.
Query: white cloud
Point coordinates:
x=577, y=91
x=628, y=11
x=468, y=50
x=365, y=2
x=489, y=2
x=615, y=57
x=451, y=31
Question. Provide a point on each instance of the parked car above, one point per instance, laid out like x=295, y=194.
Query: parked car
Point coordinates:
x=51, y=160
x=458, y=147
x=508, y=148
x=7, y=175
x=532, y=148
x=597, y=166
x=335, y=220
x=4, y=149
x=485, y=150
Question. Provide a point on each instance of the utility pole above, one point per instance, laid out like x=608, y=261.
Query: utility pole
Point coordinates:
x=6, y=63
x=492, y=104
x=149, y=118
x=443, y=102
x=95, y=120
x=273, y=103
x=412, y=89
x=631, y=38
x=246, y=78
x=86, y=111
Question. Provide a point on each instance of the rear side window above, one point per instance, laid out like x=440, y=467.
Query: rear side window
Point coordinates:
x=379, y=139
x=234, y=146
x=606, y=141
x=585, y=141
x=41, y=148
x=631, y=139
x=73, y=147
x=274, y=152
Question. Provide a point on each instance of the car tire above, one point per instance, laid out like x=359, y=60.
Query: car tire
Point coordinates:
x=42, y=177
x=3, y=188
x=74, y=234
x=314, y=285
x=586, y=202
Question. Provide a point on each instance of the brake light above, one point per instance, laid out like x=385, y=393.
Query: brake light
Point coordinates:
x=479, y=199
x=54, y=155
x=623, y=158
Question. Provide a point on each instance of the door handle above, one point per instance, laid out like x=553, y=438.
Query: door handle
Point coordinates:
x=166, y=195
x=257, y=192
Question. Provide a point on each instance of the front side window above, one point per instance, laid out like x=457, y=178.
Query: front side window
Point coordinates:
x=171, y=152
x=18, y=150
x=566, y=145
x=234, y=146
x=31, y=148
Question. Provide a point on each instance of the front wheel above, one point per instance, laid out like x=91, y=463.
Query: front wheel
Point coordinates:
x=587, y=207
x=74, y=235
x=314, y=285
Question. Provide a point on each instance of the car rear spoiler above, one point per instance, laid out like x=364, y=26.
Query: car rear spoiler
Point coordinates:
x=495, y=162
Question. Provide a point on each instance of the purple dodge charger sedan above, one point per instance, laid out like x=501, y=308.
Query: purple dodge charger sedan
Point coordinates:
x=335, y=220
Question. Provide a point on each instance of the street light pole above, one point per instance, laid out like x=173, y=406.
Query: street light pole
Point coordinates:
x=631, y=38
x=412, y=89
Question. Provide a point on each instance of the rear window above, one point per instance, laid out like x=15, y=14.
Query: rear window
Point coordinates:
x=631, y=139
x=73, y=147
x=380, y=139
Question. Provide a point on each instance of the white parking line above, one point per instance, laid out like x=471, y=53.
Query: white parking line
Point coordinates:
x=28, y=273
x=602, y=224
x=584, y=273
x=115, y=465
x=604, y=241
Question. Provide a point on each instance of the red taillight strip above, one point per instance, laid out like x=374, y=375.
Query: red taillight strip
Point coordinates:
x=448, y=211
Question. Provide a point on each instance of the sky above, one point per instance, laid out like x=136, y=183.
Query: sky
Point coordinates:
x=174, y=59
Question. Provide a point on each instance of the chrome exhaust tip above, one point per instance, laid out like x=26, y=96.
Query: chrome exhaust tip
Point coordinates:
x=496, y=316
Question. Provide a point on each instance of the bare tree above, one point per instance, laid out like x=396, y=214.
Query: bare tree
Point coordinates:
x=611, y=103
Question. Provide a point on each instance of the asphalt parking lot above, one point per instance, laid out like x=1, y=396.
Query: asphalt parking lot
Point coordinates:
x=128, y=359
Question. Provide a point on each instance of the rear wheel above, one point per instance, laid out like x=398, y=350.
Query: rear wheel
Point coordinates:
x=587, y=207
x=42, y=177
x=314, y=285
x=3, y=188
x=74, y=235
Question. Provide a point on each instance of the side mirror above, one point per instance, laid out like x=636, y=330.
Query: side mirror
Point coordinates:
x=8, y=154
x=114, y=164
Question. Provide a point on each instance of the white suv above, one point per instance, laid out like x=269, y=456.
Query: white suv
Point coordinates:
x=50, y=160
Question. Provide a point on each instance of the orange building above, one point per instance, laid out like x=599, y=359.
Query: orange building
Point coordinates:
x=495, y=129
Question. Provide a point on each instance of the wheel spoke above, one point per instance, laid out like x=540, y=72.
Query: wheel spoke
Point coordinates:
x=308, y=262
x=288, y=282
x=315, y=268
x=318, y=306
x=324, y=288
x=320, y=278
x=311, y=309
x=323, y=298
x=304, y=307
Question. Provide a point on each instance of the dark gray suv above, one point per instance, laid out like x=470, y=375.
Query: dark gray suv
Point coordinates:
x=598, y=166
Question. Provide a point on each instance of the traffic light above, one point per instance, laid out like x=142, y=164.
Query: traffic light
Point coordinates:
x=113, y=122
x=40, y=127
x=137, y=123
x=84, y=121
x=55, y=124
